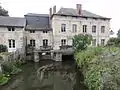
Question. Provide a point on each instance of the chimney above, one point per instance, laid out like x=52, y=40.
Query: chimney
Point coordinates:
x=50, y=15
x=50, y=12
x=79, y=8
x=54, y=9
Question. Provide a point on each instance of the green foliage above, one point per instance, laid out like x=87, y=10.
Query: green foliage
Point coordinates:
x=10, y=68
x=3, y=12
x=3, y=48
x=118, y=33
x=80, y=42
x=100, y=73
x=3, y=79
x=114, y=42
x=85, y=56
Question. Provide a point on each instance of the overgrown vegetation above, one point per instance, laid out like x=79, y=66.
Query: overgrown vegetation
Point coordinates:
x=3, y=48
x=3, y=79
x=81, y=41
x=100, y=65
x=100, y=73
x=9, y=67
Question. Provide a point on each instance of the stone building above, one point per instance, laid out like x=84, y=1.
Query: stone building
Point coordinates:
x=53, y=30
x=12, y=32
x=68, y=22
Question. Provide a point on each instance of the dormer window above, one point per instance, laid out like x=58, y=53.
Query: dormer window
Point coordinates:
x=44, y=31
x=32, y=31
x=11, y=28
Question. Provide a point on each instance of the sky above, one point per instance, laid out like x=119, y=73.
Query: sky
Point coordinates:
x=107, y=8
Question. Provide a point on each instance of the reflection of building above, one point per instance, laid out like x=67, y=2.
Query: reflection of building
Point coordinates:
x=47, y=31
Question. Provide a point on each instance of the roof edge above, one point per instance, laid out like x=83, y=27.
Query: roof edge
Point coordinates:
x=81, y=16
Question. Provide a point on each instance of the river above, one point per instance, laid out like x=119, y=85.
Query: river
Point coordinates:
x=61, y=76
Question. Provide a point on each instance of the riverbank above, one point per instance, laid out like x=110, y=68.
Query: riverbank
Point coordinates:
x=100, y=67
x=9, y=67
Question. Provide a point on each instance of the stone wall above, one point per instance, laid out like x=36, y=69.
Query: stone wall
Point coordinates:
x=58, y=35
x=17, y=35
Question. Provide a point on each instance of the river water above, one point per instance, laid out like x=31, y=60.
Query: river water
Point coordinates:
x=60, y=76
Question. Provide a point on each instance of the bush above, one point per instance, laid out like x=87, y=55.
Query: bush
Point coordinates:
x=3, y=48
x=114, y=42
x=10, y=68
x=3, y=79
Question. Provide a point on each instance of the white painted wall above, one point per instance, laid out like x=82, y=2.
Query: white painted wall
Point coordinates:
x=58, y=35
x=17, y=35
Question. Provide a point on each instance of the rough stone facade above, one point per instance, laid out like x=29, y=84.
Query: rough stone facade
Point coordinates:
x=52, y=23
x=69, y=21
x=17, y=35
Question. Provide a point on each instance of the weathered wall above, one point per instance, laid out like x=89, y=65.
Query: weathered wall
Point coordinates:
x=38, y=36
x=58, y=35
x=17, y=35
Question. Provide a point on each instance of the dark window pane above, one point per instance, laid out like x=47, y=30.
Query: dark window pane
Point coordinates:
x=13, y=43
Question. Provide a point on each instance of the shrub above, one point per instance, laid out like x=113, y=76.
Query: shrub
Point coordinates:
x=3, y=48
x=10, y=68
x=3, y=79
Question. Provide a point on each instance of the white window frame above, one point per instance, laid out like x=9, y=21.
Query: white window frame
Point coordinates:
x=102, y=42
x=74, y=27
x=94, y=29
x=32, y=42
x=84, y=28
x=63, y=42
x=94, y=42
x=45, y=42
x=11, y=43
x=63, y=27
x=102, y=29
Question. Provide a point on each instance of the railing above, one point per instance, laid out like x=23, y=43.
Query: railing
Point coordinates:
x=45, y=48
x=66, y=47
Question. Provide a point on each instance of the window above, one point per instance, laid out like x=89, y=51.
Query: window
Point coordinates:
x=63, y=42
x=94, y=42
x=11, y=43
x=94, y=29
x=11, y=28
x=44, y=31
x=74, y=28
x=32, y=42
x=32, y=31
x=63, y=28
x=45, y=42
x=102, y=29
x=102, y=42
x=84, y=28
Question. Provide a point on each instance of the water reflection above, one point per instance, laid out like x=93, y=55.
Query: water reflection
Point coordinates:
x=60, y=76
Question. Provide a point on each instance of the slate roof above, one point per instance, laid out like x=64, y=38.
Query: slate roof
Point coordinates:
x=73, y=12
x=37, y=21
x=12, y=21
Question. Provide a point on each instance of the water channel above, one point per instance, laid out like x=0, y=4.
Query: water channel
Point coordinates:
x=60, y=76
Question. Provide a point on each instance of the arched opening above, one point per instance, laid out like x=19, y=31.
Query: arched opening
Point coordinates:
x=67, y=58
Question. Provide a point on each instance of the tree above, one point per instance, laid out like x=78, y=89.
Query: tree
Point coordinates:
x=81, y=41
x=118, y=33
x=3, y=12
x=114, y=42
